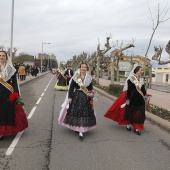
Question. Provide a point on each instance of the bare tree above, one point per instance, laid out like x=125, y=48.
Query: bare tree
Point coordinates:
x=99, y=54
x=14, y=51
x=167, y=48
x=158, y=52
x=116, y=54
x=160, y=18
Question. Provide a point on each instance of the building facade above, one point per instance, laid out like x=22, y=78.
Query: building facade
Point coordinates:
x=162, y=74
x=46, y=56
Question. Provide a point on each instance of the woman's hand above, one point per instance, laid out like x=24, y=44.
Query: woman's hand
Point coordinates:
x=69, y=101
x=127, y=102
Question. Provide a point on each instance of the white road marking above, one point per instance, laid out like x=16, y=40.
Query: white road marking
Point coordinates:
x=39, y=100
x=14, y=143
x=32, y=112
x=17, y=137
x=48, y=83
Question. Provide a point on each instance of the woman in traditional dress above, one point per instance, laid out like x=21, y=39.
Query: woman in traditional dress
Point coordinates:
x=129, y=108
x=12, y=115
x=77, y=111
x=61, y=83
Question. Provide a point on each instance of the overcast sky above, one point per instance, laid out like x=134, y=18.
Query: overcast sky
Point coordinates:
x=74, y=26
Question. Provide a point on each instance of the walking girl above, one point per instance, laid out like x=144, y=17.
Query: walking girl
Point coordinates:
x=77, y=111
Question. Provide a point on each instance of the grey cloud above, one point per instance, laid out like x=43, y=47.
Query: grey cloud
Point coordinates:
x=73, y=26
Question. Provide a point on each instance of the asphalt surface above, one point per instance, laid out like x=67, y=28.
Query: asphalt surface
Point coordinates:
x=46, y=145
x=159, y=97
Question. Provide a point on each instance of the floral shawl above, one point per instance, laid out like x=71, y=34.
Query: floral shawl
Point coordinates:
x=137, y=83
x=83, y=85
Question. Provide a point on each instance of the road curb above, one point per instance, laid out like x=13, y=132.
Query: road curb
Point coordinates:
x=33, y=78
x=157, y=120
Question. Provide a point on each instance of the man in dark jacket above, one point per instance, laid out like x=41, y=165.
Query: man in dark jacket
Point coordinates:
x=68, y=73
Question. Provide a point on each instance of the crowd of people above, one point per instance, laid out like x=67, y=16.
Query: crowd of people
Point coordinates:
x=77, y=111
x=23, y=70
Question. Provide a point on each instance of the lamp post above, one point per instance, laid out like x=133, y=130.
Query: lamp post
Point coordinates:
x=42, y=54
x=12, y=21
x=49, y=59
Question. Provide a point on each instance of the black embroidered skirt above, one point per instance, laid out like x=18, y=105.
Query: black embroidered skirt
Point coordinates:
x=135, y=114
x=62, y=81
x=80, y=112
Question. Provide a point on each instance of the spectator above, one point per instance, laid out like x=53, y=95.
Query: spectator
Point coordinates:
x=21, y=72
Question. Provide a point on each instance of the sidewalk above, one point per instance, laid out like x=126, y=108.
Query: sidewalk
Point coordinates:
x=161, y=84
x=158, y=99
x=30, y=77
x=161, y=99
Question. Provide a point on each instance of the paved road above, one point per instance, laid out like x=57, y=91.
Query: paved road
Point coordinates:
x=164, y=87
x=49, y=146
x=161, y=88
x=31, y=152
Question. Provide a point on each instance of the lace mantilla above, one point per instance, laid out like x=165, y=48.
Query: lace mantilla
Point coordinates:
x=8, y=72
x=86, y=82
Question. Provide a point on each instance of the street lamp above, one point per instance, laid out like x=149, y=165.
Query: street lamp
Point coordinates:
x=42, y=53
x=12, y=21
x=49, y=59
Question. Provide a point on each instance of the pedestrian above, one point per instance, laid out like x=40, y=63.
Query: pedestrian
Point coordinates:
x=68, y=73
x=12, y=115
x=61, y=83
x=22, y=72
x=27, y=67
x=129, y=108
x=34, y=71
x=93, y=73
x=17, y=67
x=77, y=111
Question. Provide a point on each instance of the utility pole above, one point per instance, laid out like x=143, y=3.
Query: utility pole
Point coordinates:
x=42, y=54
x=12, y=22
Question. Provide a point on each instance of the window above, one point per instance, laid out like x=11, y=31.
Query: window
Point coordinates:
x=167, y=77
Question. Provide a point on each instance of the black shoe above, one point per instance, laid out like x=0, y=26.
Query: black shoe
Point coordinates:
x=128, y=128
x=81, y=136
x=1, y=138
x=138, y=132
